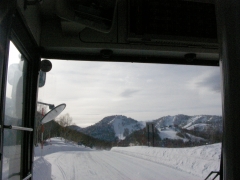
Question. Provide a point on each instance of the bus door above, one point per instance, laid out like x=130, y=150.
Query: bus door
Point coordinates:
x=19, y=61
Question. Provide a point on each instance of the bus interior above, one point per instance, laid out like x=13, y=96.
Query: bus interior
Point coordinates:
x=184, y=32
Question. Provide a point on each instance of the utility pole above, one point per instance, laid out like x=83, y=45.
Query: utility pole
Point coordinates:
x=150, y=130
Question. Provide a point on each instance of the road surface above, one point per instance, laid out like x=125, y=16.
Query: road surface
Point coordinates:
x=107, y=165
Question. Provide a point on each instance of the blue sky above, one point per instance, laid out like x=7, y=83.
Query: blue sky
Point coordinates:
x=93, y=90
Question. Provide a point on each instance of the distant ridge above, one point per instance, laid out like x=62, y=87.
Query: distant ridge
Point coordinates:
x=198, y=128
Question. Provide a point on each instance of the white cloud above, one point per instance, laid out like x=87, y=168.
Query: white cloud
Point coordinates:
x=209, y=81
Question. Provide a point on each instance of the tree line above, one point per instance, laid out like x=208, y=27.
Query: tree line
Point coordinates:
x=60, y=128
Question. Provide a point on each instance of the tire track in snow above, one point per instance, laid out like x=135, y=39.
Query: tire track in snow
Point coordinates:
x=59, y=165
x=101, y=160
x=175, y=162
x=102, y=165
x=84, y=166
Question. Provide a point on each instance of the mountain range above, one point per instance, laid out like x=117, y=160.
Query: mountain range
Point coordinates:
x=199, y=128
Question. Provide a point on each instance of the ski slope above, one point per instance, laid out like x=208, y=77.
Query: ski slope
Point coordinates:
x=67, y=161
x=121, y=124
x=169, y=133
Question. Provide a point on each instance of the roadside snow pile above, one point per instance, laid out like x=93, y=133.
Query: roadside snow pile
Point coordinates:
x=59, y=145
x=199, y=160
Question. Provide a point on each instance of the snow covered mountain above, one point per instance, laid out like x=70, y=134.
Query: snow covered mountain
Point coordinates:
x=199, y=122
x=199, y=129
x=112, y=128
x=194, y=128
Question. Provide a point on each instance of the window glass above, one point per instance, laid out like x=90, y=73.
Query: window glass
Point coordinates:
x=12, y=154
x=13, y=114
x=15, y=87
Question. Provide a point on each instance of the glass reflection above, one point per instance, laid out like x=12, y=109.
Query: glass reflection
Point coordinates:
x=12, y=141
x=11, y=154
x=14, y=91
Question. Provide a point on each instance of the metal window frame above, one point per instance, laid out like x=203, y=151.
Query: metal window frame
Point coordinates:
x=24, y=41
x=5, y=31
x=229, y=38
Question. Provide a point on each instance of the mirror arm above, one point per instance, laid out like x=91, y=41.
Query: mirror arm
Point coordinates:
x=51, y=106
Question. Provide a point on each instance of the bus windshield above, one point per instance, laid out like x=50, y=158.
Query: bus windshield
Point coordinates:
x=130, y=121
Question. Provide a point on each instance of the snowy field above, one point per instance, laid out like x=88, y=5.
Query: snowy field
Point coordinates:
x=60, y=160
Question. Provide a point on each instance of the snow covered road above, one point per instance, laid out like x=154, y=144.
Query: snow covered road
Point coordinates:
x=86, y=165
x=68, y=161
x=106, y=165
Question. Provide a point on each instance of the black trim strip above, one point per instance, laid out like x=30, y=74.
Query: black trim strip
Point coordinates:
x=22, y=39
x=132, y=59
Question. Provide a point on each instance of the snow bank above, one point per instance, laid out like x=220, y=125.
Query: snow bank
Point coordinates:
x=199, y=160
x=57, y=145
x=42, y=169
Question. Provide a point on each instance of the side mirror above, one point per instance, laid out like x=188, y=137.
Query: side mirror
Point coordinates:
x=42, y=78
x=53, y=113
x=46, y=66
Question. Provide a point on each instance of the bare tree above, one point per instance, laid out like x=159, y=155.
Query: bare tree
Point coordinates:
x=64, y=121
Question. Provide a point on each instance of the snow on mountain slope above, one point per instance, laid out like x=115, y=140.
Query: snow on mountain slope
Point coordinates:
x=202, y=119
x=200, y=127
x=169, y=133
x=185, y=121
x=113, y=128
x=166, y=121
x=123, y=127
x=169, y=126
x=194, y=120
